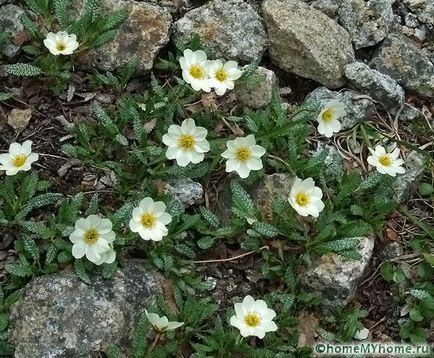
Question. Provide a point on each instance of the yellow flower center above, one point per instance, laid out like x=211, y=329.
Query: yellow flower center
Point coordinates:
x=302, y=198
x=186, y=142
x=19, y=160
x=90, y=236
x=385, y=160
x=197, y=72
x=148, y=220
x=327, y=116
x=60, y=46
x=242, y=154
x=252, y=319
x=221, y=75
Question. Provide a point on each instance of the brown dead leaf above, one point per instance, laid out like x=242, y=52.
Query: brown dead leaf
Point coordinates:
x=21, y=37
x=306, y=328
x=391, y=234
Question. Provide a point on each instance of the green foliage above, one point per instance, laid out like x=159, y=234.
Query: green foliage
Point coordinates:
x=22, y=69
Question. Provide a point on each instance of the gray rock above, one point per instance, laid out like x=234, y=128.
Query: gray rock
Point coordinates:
x=335, y=277
x=379, y=86
x=424, y=9
x=10, y=22
x=328, y=7
x=407, y=64
x=407, y=183
x=230, y=29
x=332, y=162
x=392, y=250
x=187, y=191
x=307, y=42
x=358, y=107
x=142, y=35
x=368, y=22
x=258, y=95
x=411, y=20
x=19, y=119
x=60, y=316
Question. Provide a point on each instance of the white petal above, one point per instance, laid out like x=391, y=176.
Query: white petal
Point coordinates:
x=78, y=249
x=146, y=203
x=165, y=218
x=232, y=164
x=202, y=147
x=26, y=147
x=172, y=152
x=254, y=164
x=183, y=158
x=15, y=149
x=135, y=226
x=159, y=208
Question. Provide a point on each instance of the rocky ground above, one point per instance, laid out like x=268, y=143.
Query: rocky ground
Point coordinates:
x=376, y=57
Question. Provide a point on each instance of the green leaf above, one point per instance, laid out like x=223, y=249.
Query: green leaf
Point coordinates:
x=210, y=217
x=113, y=351
x=387, y=270
x=266, y=229
x=80, y=271
x=241, y=199
x=30, y=247
x=140, y=342
x=38, y=202
x=4, y=318
x=108, y=270
x=50, y=254
x=4, y=96
x=416, y=315
x=206, y=242
x=93, y=205
x=22, y=69
x=21, y=269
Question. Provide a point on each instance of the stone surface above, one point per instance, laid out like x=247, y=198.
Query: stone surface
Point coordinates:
x=19, y=119
x=60, y=316
x=358, y=107
x=377, y=85
x=407, y=183
x=335, y=278
x=258, y=95
x=332, y=162
x=328, y=7
x=368, y=22
x=399, y=58
x=262, y=193
x=142, y=35
x=424, y=9
x=307, y=42
x=186, y=190
x=230, y=29
x=10, y=22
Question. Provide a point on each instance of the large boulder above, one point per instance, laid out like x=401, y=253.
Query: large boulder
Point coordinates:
x=358, y=108
x=402, y=60
x=230, y=29
x=307, y=42
x=368, y=22
x=141, y=36
x=379, y=86
x=60, y=316
x=336, y=278
x=10, y=22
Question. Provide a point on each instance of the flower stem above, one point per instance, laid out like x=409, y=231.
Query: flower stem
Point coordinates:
x=154, y=343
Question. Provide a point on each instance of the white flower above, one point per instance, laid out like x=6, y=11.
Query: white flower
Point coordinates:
x=305, y=197
x=19, y=158
x=61, y=43
x=253, y=318
x=187, y=143
x=162, y=324
x=386, y=163
x=93, y=237
x=150, y=219
x=222, y=76
x=194, y=70
x=328, y=118
x=243, y=155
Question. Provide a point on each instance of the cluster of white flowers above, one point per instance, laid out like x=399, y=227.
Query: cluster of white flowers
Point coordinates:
x=203, y=74
x=61, y=43
x=187, y=144
x=252, y=318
